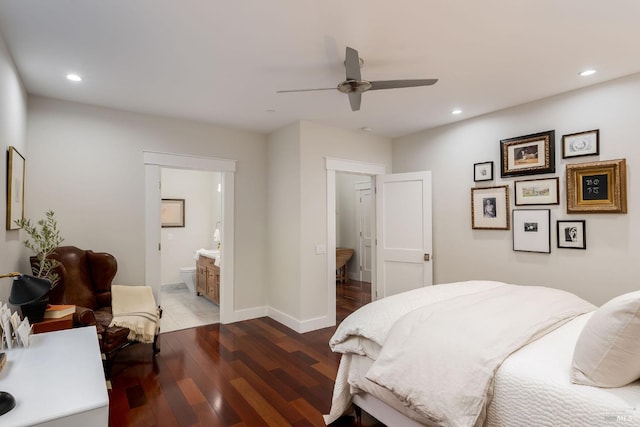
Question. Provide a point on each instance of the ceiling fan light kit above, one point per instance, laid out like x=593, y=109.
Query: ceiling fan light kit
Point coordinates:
x=354, y=85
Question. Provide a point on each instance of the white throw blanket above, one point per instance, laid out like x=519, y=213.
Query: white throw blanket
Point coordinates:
x=440, y=359
x=135, y=308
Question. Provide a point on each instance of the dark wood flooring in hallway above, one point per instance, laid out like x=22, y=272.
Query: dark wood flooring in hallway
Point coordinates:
x=252, y=373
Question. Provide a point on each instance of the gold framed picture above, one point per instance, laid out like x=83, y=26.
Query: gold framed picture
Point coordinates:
x=528, y=155
x=597, y=187
x=490, y=208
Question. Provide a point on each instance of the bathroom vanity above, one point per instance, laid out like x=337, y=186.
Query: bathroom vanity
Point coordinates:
x=208, y=278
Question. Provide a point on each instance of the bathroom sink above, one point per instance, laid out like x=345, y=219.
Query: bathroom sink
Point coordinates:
x=210, y=253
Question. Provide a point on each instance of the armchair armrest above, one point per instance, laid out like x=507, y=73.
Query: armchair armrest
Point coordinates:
x=86, y=317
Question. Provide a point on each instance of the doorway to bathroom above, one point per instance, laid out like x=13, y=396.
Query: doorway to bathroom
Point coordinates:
x=153, y=163
x=198, y=198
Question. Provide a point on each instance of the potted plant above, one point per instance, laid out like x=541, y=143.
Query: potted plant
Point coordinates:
x=44, y=238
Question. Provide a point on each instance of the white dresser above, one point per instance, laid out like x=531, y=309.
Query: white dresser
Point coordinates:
x=57, y=381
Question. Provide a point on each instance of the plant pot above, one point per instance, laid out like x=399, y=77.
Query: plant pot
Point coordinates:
x=34, y=311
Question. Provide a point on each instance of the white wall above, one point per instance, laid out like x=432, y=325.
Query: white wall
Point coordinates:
x=86, y=163
x=202, y=210
x=13, y=125
x=609, y=265
x=284, y=220
x=298, y=214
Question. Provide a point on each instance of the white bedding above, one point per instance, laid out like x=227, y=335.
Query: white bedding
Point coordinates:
x=532, y=388
x=437, y=345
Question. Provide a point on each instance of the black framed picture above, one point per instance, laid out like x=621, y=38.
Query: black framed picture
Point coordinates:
x=542, y=191
x=172, y=213
x=572, y=234
x=581, y=144
x=483, y=171
x=532, y=230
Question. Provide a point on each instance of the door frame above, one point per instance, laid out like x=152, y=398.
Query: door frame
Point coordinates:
x=153, y=161
x=354, y=167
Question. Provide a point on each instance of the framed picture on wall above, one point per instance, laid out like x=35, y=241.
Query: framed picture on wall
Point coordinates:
x=483, y=171
x=572, y=234
x=528, y=154
x=490, y=208
x=537, y=191
x=597, y=187
x=15, y=188
x=581, y=144
x=531, y=230
x=172, y=213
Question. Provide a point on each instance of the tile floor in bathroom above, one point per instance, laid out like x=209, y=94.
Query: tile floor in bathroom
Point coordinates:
x=182, y=309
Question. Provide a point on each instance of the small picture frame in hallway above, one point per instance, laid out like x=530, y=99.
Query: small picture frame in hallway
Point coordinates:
x=172, y=213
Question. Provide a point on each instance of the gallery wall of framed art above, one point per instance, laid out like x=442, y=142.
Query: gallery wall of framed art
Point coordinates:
x=589, y=187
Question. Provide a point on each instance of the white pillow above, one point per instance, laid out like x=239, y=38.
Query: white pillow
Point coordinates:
x=607, y=353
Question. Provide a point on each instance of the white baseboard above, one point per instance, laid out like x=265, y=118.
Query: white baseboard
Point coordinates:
x=248, y=314
x=300, y=326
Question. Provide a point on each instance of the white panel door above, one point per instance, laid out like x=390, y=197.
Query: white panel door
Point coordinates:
x=365, y=231
x=403, y=210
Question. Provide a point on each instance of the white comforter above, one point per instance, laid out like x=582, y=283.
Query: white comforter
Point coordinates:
x=437, y=348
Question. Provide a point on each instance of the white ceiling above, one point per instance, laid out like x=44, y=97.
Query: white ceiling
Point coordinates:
x=223, y=61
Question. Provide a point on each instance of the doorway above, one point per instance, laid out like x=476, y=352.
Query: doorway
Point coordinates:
x=153, y=162
x=402, y=218
x=366, y=171
x=200, y=193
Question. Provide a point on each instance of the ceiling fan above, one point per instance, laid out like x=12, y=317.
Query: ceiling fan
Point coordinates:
x=354, y=85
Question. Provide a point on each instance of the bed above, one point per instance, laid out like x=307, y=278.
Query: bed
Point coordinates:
x=489, y=353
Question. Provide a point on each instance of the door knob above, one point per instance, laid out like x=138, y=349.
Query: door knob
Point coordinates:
x=426, y=257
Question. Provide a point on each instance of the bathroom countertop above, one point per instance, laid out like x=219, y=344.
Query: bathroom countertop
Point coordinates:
x=213, y=254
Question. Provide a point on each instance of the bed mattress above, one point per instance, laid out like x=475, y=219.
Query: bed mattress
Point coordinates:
x=532, y=387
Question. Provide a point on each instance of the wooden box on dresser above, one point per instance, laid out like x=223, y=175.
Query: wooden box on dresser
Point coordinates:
x=208, y=278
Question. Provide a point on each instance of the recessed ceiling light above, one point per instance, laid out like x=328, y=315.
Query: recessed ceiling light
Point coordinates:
x=587, y=73
x=74, y=77
x=456, y=111
x=365, y=129
x=270, y=110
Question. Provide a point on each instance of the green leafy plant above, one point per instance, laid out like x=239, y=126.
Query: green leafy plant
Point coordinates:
x=44, y=238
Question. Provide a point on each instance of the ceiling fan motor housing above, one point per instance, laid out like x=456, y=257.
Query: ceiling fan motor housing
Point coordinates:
x=349, y=86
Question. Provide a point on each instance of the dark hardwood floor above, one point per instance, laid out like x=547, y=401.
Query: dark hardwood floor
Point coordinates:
x=252, y=373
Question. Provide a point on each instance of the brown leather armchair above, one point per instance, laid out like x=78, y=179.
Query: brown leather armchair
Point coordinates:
x=85, y=281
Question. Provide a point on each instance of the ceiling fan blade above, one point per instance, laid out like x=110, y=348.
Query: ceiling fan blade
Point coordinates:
x=355, y=98
x=394, y=84
x=352, y=64
x=306, y=90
